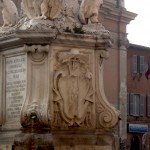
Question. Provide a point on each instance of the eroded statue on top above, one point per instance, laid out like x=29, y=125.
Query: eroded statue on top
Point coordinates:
x=89, y=11
x=9, y=14
x=61, y=15
x=44, y=9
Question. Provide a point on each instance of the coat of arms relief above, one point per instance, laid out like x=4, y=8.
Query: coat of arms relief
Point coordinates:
x=73, y=90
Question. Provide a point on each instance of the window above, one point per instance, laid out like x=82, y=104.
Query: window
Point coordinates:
x=138, y=64
x=148, y=105
x=135, y=104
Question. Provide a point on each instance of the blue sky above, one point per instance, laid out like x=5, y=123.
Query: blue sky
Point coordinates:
x=139, y=29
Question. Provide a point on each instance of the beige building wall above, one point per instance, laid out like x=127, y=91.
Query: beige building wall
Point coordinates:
x=115, y=19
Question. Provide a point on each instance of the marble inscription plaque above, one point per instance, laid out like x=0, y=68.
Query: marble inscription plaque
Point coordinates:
x=15, y=86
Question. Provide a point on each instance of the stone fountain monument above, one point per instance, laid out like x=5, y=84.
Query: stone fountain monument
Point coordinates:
x=52, y=59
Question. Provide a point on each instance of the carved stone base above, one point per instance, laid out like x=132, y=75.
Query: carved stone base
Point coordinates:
x=81, y=140
x=35, y=140
x=83, y=147
x=30, y=139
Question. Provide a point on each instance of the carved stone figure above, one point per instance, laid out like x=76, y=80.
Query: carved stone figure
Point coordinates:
x=37, y=7
x=33, y=115
x=89, y=11
x=73, y=90
x=44, y=8
x=28, y=8
x=10, y=13
x=51, y=8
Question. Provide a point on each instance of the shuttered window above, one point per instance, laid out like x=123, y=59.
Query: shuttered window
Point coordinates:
x=148, y=106
x=136, y=104
x=138, y=64
x=141, y=65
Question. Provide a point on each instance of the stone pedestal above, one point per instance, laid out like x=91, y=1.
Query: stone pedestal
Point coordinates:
x=91, y=140
x=54, y=90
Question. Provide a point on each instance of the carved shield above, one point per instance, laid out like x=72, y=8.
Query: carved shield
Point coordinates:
x=74, y=91
x=73, y=87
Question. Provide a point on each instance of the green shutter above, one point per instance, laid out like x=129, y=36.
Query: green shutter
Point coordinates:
x=142, y=69
x=134, y=64
x=128, y=102
x=142, y=105
x=148, y=106
x=131, y=96
x=136, y=105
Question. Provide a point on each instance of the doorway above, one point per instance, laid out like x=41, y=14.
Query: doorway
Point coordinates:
x=135, y=143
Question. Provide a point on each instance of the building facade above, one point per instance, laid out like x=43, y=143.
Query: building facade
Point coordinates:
x=138, y=88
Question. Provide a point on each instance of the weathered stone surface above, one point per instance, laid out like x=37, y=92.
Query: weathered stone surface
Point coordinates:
x=64, y=91
x=5, y=147
x=35, y=109
x=63, y=75
x=33, y=139
x=73, y=101
x=15, y=86
x=83, y=147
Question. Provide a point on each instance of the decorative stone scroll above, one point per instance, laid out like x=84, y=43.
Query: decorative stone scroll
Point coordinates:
x=107, y=115
x=35, y=108
x=73, y=90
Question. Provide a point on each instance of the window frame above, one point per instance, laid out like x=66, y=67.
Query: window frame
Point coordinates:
x=138, y=64
x=136, y=105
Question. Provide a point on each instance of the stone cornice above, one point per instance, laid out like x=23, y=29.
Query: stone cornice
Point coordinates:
x=24, y=37
x=110, y=11
x=10, y=41
x=72, y=39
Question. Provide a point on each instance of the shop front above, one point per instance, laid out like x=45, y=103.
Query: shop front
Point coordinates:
x=138, y=137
